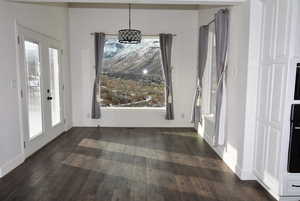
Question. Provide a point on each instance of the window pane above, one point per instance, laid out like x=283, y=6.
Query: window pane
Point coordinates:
x=55, y=89
x=132, y=75
x=214, y=79
x=34, y=88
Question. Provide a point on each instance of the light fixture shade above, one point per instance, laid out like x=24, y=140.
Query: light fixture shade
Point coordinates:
x=130, y=36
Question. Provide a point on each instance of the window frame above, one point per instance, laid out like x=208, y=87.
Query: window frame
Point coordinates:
x=114, y=108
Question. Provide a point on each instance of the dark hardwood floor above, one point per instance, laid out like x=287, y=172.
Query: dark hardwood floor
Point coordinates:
x=119, y=164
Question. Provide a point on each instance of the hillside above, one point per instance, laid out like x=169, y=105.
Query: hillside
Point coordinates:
x=133, y=59
x=132, y=75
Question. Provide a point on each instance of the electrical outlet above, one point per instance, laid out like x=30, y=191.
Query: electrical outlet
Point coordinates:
x=182, y=115
x=88, y=115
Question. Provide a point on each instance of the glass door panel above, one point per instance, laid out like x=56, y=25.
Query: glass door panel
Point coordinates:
x=34, y=94
x=55, y=86
x=40, y=85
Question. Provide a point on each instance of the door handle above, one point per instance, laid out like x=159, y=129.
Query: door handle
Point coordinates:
x=49, y=98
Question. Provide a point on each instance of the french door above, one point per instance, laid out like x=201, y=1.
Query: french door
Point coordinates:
x=41, y=89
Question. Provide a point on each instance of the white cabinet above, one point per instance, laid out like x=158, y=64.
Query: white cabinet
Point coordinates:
x=274, y=97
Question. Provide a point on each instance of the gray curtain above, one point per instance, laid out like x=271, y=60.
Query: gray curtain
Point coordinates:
x=202, y=57
x=99, y=50
x=222, y=35
x=166, y=52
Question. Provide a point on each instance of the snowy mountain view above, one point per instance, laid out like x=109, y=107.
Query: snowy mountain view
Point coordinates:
x=132, y=75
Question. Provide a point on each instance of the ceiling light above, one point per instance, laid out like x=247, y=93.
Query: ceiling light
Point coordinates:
x=130, y=36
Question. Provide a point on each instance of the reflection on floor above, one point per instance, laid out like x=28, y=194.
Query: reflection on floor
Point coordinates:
x=116, y=164
x=183, y=159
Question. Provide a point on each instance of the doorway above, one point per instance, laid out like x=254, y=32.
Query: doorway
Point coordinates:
x=41, y=88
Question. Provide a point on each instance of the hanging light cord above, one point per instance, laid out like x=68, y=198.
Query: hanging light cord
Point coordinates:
x=129, y=16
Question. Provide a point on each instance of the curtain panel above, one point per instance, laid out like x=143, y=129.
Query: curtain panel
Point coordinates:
x=99, y=50
x=202, y=57
x=222, y=37
x=166, y=41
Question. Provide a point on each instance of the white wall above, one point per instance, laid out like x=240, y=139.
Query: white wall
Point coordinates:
x=235, y=152
x=84, y=21
x=50, y=20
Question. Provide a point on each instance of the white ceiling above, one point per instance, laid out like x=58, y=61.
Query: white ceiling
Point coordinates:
x=172, y=2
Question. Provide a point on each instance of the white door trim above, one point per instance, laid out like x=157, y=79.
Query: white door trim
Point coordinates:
x=52, y=132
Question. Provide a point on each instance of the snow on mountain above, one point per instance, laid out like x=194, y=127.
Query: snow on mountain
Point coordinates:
x=133, y=58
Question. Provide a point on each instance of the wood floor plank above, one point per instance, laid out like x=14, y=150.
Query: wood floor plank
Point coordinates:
x=127, y=164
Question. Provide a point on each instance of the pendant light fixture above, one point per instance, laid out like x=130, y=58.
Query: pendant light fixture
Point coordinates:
x=130, y=36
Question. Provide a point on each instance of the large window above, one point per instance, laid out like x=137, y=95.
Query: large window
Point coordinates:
x=132, y=75
x=210, y=82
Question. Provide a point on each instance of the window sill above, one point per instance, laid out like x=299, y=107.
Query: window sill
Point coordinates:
x=134, y=108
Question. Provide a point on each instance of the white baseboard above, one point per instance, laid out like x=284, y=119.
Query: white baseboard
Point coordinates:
x=135, y=124
x=235, y=168
x=19, y=159
x=206, y=131
x=241, y=173
x=275, y=195
x=289, y=198
x=12, y=164
x=244, y=174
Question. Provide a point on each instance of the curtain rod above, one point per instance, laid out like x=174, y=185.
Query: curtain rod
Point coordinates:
x=150, y=35
x=223, y=10
x=211, y=22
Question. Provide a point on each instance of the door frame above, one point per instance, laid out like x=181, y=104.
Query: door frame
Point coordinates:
x=48, y=42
